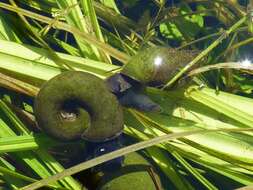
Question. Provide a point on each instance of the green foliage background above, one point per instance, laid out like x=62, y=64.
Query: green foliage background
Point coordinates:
x=40, y=39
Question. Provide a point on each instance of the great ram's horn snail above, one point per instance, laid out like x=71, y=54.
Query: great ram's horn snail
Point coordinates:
x=153, y=66
x=76, y=104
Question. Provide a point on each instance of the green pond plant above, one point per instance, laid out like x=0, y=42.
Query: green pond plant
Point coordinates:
x=61, y=59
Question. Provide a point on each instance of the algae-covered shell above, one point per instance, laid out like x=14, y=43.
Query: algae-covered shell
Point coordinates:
x=136, y=173
x=76, y=104
x=157, y=65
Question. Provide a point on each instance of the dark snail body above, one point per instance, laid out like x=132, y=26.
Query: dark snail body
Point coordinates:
x=130, y=93
x=97, y=149
x=137, y=99
x=77, y=104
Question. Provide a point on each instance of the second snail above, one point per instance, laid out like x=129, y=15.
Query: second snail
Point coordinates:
x=153, y=66
x=76, y=104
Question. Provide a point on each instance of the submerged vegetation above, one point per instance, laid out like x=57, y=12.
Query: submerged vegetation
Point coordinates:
x=202, y=138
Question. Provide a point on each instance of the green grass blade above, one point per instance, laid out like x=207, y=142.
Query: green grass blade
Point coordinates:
x=29, y=158
x=221, y=104
x=26, y=142
x=41, y=67
x=116, y=154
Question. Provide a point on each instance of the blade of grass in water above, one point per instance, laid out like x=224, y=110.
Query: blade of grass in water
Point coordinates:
x=222, y=167
x=117, y=153
x=182, y=161
x=71, y=11
x=17, y=175
x=210, y=99
x=25, y=142
x=63, y=26
x=40, y=66
x=25, y=157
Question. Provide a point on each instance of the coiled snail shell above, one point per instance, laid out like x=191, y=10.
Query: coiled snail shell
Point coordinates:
x=76, y=105
x=136, y=173
x=156, y=65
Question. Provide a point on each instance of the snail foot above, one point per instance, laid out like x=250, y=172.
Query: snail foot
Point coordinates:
x=139, y=101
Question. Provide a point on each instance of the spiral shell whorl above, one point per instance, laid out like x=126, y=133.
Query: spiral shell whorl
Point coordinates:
x=76, y=104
